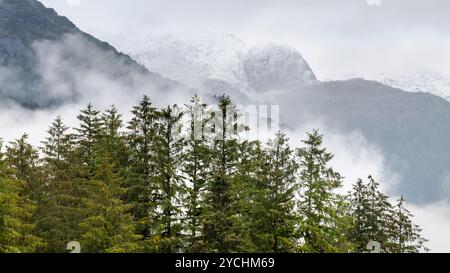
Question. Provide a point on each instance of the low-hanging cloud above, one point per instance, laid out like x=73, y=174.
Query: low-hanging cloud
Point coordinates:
x=73, y=72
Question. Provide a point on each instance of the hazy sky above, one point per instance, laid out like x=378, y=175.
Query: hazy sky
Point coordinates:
x=336, y=37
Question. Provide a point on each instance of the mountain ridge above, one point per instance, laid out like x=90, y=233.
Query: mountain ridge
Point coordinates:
x=27, y=28
x=222, y=60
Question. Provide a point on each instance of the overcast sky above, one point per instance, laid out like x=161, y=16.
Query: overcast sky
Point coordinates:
x=336, y=37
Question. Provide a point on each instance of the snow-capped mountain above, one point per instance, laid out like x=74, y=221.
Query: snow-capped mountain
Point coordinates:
x=223, y=61
x=192, y=59
x=423, y=80
x=420, y=80
x=276, y=67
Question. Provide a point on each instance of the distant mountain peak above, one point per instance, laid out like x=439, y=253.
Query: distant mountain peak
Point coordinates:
x=271, y=67
x=215, y=59
x=191, y=59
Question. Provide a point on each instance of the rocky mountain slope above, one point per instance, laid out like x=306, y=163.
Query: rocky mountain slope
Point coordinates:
x=38, y=46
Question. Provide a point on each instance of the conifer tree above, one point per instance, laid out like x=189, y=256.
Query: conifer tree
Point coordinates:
x=196, y=170
x=108, y=226
x=57, y=146
x=319, y=205
x=112, y=139
x=407, y=235
x=372, y=215
x=360, y=207
x=168, y=145
x=17, y=230
x=274, y=219
x=242, y=201
x=142, y=189
x=221, y=230
x=88, y=133
x=59, y=210
x=23, y=159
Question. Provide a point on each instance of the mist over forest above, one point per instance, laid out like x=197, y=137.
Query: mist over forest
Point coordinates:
x=389, y=127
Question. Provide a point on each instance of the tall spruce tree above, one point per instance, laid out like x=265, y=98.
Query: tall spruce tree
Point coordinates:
x=141, y=187
x=17, y=230
x=88, y=133
x=108, y=226
x=360, y=207
x=59, y=211
x=407, y=235
x=23, y=159
x=167, y=178
x=242, y=195
x=319, y=204
x=196, y=164
x=222, y=231
x=113, y=140
x=372, y=215
x=274, y=218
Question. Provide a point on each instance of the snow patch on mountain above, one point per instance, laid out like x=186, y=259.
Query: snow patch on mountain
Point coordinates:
x=276, y=67
x=192, y=59
x=420, y=80
x=209, y=59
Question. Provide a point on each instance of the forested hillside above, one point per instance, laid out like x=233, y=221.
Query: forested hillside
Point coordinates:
x=153, y=184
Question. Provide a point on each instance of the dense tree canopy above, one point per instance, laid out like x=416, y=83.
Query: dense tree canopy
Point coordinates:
x=181, y=179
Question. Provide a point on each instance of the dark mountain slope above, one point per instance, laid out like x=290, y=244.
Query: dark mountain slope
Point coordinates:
x=30, y=32
x=412, y=129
